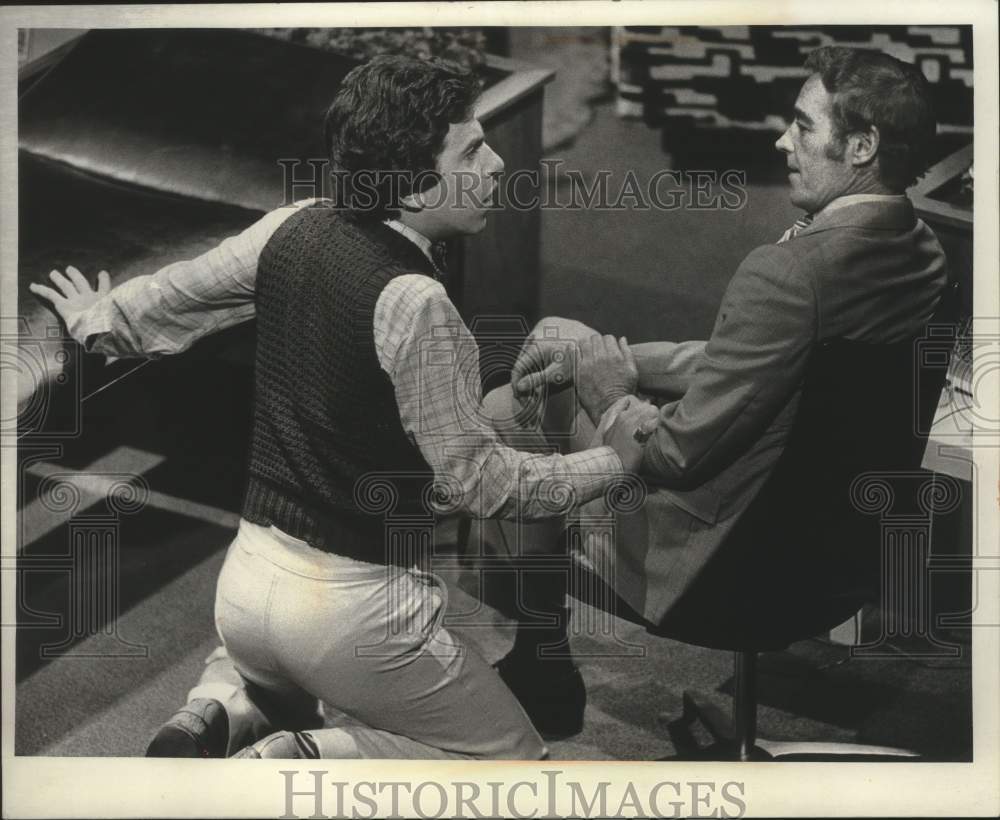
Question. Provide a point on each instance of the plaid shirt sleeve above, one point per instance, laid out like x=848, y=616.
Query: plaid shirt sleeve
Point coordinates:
x=433, y=362
x=168, y=311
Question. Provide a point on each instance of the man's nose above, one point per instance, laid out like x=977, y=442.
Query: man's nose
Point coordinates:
x=494, y=162
x=784, y=143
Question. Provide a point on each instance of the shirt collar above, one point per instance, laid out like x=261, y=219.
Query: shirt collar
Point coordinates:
x=854, y=199
x=415, y=237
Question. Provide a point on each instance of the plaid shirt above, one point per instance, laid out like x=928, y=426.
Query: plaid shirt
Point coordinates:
x=422, y=344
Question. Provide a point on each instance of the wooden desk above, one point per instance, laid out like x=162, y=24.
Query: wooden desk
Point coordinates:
x=194, y=120
x=495, y=275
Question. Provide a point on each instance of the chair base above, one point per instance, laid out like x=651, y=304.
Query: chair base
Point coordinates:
x=726, y=745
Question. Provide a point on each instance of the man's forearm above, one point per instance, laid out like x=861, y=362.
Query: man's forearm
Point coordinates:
x=666, y=368
x=154, y=316
x=169, y=310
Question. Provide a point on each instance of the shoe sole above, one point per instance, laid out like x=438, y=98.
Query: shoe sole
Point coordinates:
x=171, y=741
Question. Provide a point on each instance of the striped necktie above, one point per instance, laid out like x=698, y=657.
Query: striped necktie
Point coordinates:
x=439, y=258
x=801, y=224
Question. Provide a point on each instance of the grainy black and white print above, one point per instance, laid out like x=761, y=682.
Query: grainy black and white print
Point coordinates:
x=462, y=413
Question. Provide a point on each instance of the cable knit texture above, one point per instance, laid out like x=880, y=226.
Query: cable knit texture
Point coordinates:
x=325, y=413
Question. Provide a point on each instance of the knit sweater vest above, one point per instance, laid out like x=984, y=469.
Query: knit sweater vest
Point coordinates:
x=329, y=458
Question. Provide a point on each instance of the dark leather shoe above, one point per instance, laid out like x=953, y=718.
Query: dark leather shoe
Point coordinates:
x=199, y=729
x=551, y=692
x=281, y=746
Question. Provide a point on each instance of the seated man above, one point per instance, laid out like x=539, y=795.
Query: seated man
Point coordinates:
x=860, y=265
x=316, y=602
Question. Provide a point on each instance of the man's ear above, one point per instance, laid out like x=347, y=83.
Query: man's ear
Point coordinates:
x=863, y=146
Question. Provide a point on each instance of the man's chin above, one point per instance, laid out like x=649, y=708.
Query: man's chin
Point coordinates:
x=799, y=201
x=470, y=230
x=480, y=224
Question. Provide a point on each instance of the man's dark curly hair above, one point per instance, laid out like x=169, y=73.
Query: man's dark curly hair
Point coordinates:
x=872, y=88
x=387, y=125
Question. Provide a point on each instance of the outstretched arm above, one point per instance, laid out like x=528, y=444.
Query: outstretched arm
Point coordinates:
x=550, y=355
x=433, y=362
x=167, y=311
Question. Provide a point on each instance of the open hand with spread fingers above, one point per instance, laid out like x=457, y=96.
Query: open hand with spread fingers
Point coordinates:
x=72, y=295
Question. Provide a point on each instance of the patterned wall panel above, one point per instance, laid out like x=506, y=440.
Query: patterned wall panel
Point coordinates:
x=695, y=81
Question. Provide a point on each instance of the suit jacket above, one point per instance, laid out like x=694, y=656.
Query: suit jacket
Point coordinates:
x=868, y=271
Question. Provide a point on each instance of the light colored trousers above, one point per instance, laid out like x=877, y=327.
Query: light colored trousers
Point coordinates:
x=301, y=626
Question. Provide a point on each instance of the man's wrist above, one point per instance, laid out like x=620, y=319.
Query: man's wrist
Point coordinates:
x=608, y=399
x=76, y=327
x=598, y=407
x=83, y=322
x=619, y=470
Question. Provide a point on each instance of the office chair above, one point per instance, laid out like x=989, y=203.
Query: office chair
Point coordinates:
x=809, y=552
